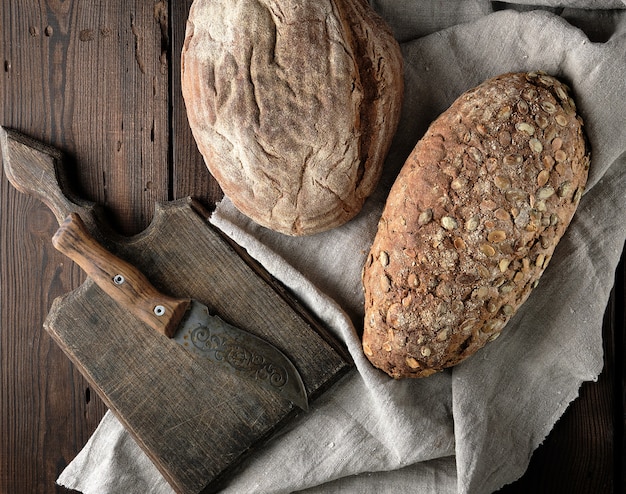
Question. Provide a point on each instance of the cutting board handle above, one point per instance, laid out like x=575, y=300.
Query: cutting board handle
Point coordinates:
x=36, y=169
x=121, y=281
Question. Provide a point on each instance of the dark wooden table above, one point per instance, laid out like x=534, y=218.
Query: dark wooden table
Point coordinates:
x=100, y=81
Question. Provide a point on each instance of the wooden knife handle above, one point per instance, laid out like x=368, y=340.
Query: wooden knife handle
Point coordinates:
x=121, y=281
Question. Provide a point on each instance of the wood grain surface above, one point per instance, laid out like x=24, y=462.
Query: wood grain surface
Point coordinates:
x=196, y=420
x=99, y=80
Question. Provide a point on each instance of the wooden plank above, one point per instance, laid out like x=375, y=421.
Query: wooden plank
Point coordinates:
x=193, y=418
x=90, y=79
x=47, y=409
x=190, y=175
x=120, y=132
x=70, y=77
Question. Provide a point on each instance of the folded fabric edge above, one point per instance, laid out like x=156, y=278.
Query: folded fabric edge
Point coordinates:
x=322, y=305
x=429, y=477
x=96, y=468
x=69, y=477
x=518, y=472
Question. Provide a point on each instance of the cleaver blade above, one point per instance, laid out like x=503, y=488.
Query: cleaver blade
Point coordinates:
x=186, y=321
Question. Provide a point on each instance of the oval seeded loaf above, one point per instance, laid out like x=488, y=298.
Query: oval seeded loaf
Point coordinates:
x=293, y=105
x=471, y=223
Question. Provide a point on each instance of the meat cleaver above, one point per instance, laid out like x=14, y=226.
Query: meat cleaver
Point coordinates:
x=196, y=421
x=185, y=320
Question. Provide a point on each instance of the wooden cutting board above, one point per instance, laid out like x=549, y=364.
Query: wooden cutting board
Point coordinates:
x=194, y=420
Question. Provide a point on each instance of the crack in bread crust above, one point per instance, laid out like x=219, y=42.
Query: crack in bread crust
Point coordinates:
x=278, y=79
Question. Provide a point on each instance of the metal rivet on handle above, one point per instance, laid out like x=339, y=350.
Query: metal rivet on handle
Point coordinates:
x=159, y=310
x=118, y=279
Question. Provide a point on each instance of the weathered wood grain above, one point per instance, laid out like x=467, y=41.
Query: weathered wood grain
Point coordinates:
x=190, y=175
x=47, y=409
x=199, y=421
x=125, y=356
x=90, y=78
x=70, y=76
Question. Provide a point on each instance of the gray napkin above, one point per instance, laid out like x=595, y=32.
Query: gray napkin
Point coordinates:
x=471, y=429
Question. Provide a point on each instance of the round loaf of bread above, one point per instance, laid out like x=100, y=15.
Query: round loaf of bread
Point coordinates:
x=293, y=105
x=471, y=223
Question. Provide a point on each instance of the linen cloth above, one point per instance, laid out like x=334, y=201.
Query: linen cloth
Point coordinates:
x=471, y=429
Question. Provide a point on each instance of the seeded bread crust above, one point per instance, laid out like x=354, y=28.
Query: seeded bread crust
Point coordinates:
x=472, y=222
x=293, y=105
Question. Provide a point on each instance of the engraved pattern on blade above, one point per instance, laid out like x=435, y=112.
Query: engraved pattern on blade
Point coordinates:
x=240, y=353
x=217, y=344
